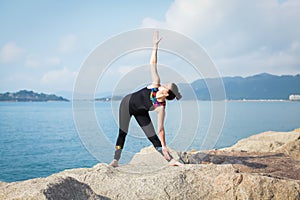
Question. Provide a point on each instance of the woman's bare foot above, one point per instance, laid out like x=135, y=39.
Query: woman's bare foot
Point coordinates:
x=114, y=163
x=175, y=163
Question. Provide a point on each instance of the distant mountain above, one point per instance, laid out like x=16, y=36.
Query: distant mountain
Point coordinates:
x=24, y=95
x=261, y=86
x=258, y=87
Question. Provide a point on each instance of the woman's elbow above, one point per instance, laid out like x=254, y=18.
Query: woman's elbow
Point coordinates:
x=156, y=81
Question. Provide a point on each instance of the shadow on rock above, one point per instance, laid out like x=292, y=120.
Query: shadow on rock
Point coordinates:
x=70, y=188
x=269, y=164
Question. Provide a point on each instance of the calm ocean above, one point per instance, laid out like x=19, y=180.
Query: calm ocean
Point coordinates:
x=38, y=139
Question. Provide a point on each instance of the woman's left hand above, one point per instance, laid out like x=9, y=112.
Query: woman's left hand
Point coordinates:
x=156, y=38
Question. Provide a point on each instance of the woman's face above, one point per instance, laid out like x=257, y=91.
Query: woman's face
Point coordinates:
x=164, y=89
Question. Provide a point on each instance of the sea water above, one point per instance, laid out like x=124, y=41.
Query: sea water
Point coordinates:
x=38, y=139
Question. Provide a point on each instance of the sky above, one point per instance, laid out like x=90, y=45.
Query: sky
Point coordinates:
x=43, y=44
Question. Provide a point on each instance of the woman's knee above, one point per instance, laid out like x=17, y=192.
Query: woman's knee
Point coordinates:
x=155, y=141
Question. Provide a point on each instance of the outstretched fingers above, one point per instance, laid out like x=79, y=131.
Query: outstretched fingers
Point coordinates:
x=156, y=38
x=166, y=153
x=175, y=163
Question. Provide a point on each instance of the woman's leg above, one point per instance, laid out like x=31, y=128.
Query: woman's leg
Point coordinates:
x=124, y=119
x=145, y=123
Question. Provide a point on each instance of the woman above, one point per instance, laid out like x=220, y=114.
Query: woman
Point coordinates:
x=138, y=104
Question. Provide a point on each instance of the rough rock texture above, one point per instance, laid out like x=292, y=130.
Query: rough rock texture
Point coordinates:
x=222, y=174
x=273, y=154
x=52, y=187
x=284, y=142
x=291, y=148
x=266, y=164
x=187, y=182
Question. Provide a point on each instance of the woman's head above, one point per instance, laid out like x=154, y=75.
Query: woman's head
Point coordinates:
x=172, y=91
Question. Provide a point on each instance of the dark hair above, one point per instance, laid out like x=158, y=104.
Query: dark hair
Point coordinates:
x=171, y=95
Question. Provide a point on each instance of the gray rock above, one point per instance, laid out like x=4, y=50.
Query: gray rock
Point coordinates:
x=52, y=187
x=221, y=175
x=210, y=181
x=265, y=142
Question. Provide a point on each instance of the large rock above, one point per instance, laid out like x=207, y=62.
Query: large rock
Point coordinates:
x=292, y=148
x=269, y=164
x=52, y=187
x=187, y=182
x=273, y=154
x=148, y=160
x=221, y=175
x=285, y=142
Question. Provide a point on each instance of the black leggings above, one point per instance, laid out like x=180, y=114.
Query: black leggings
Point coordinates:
x=143, y=119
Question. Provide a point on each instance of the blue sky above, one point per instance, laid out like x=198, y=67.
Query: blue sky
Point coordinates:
x=44, y=43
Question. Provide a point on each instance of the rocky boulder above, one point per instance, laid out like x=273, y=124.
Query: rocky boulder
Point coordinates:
x=213, y=174
x=284, y=142
x=52, y=187
x=187, y=182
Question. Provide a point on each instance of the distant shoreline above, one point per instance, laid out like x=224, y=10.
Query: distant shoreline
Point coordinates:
x=16, y=101
x=109, y=100
x=104, y=101
x=260, y=100
x=226, y=100
x=29, y=96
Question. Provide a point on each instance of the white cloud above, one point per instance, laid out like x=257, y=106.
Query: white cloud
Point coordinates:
x=59, y=80
x=10, y=52
x=52, y=61
x=67, y=44
x=35, y=61
x=260, y=34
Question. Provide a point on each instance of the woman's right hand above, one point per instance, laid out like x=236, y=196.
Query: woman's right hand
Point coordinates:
x=166, y=153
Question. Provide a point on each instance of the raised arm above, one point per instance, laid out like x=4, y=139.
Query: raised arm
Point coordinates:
x=161, y=131
x=153, y=61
